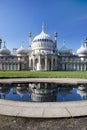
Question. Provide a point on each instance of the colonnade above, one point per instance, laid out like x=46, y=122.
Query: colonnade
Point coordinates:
x=9, y=66
x=74, y=66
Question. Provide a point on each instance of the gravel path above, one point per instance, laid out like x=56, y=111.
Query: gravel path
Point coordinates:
x=13, y=123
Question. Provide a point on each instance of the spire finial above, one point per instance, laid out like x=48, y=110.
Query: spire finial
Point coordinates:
x=64, y=42
x=22, y=44
x=82, y=43
x=85, y=42
x=4, y=45
x=42, y=27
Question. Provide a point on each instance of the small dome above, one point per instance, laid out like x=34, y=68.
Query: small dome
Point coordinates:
x=82, y=93
x=4, y=51
x=22, y=51
x=82, y=51
x=64, y=50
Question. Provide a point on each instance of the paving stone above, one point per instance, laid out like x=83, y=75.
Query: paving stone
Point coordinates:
x=78, y=111
x=55, y=112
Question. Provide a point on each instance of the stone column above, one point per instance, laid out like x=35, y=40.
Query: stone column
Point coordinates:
x=14, y=67
x=70, y=66
x=77, y=66
x=67, y=66
x=74, y=67
x=52, y=63
x=81, y=67
x=84, y=67
x=39, y=61
x=56, y=63
x=33, y=63
x=18, y=66
x=7, y=66
x=45, y=62
x=11, y=66
x=0, y=66
x=29, y=63
x=4, y=67
x=63, y=66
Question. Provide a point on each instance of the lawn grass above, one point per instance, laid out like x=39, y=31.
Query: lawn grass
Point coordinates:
x=43, y=74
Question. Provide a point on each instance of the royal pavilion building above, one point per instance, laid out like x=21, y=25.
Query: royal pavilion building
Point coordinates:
x=43, y=55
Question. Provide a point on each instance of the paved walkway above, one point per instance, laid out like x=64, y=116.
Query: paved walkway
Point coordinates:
x=43, y=110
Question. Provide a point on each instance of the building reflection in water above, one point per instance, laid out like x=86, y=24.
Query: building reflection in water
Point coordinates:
x=65, y=90
x=43, y=92
x=82, y=91
x=21, y=90
x=4, y=89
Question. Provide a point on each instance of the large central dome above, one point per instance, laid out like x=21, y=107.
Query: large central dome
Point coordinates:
x=42, y=42
x=42, y=35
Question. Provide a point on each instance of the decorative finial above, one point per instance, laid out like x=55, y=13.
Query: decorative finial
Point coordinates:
x=0, y=43
x=30, y=34
x=64, y=42
x=85, y=43
x=22, y=45
x=82, y=43
x=55, y=34
x=86, y=40
x=4, y=45
x=42, y=27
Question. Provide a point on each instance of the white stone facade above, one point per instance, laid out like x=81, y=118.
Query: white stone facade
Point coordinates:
x=43, y=55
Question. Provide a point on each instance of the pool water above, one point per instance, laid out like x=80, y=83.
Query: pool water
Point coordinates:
x=43, y=92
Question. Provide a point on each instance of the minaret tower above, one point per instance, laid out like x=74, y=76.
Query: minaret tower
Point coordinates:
x=85, y=42
x=30, y=38
x=0, y=43
x=55, y=38
x=4, y=46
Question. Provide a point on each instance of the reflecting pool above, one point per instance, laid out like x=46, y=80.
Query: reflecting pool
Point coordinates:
x=43, y=92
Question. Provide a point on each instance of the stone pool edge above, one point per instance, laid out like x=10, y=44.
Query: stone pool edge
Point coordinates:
x=53, y=80
x=44, y=110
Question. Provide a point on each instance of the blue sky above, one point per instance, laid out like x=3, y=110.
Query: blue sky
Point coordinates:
x=67, y=17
